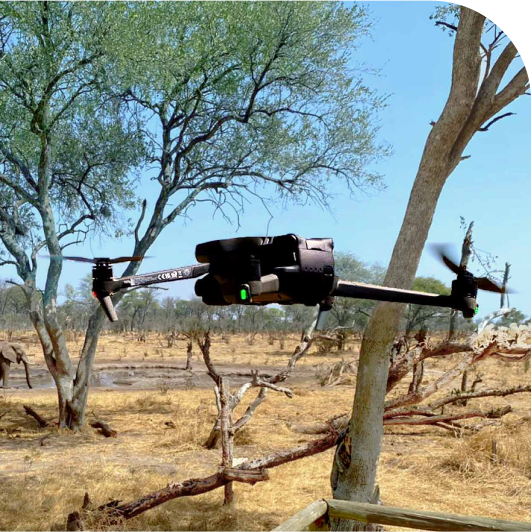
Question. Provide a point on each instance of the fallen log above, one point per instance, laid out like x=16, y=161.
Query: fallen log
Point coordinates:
x=105, y=428
x=40, y=420
x=249, y=472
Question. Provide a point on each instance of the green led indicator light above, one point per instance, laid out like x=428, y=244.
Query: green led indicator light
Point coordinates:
x=243, y=294
x=476, y=310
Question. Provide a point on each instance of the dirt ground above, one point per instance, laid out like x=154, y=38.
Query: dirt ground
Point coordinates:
x=138, y=387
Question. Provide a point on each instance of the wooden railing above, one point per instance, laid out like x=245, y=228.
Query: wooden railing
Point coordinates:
x=317, y=516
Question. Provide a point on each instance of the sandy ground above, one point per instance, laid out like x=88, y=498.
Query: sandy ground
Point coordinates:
x=139, y=387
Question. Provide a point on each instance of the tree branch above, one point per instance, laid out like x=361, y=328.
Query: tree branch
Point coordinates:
x=503, y=392
x=140, y=220
x=493, y=121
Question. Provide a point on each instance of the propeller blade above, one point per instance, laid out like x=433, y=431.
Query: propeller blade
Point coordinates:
x=484, y=283
x=67, y=257
x=95, y=260
x=77, y=259
x=136, y=258
x=441, y=252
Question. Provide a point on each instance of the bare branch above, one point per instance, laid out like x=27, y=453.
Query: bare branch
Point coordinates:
x=72, y=228
x=140, y=220
x=518, y=86
x=503, y=392
x=493, y=315
x=257, y=381
x=494, y=120
x=446, y=25
x=204, y=346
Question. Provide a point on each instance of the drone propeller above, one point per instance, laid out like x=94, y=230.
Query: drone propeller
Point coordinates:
x=100, y=260
x=442, y=252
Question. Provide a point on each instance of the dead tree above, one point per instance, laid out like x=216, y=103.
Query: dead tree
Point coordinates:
x=37, y=417
x=504, y=285
x=412, y=408
x=250, y=472
x=262, y=382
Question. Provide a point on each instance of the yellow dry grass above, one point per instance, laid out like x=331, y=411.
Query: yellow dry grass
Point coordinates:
x=422, y=468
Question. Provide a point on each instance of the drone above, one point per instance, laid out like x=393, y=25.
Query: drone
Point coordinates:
x=285, y=270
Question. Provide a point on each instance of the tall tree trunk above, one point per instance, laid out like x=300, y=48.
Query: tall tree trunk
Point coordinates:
x=356, y=458
x=84, y=370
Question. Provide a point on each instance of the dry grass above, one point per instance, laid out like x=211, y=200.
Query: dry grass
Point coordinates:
x=420, y=468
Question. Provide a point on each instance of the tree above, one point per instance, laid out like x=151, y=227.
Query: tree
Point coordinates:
x=13, y=313
x=79, y=305
x=475, y=98
x=65, y=153
x=136, y=306
x=242, y=100
x=516, y=316
x=236, y=101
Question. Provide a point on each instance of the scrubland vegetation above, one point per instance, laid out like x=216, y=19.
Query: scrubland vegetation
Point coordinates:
x=163, y=422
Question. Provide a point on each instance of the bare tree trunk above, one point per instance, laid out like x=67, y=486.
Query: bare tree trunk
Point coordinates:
x=418, y=375
x=189, y=354
x=84, y=370
x=227, y=436
x=504, y=285
x=356, y=458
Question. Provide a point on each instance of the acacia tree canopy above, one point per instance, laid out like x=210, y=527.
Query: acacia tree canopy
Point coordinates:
x=232, y=100
x=245, y=95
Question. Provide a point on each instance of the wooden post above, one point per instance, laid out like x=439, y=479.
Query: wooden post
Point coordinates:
x=227, y=436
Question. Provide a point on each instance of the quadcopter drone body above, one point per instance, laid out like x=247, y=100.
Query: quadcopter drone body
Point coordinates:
x=283, y=269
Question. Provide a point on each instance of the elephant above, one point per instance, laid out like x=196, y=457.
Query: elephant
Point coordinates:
x=11, y=352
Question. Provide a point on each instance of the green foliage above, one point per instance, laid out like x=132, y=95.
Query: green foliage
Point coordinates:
x=135, y=307
x=79, y=304
x=243, y=95
x=13, y=313
x=448, y=13
x=63, y=140
x=432, y=285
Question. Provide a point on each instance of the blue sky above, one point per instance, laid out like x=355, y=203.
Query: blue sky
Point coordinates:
x=492, y=187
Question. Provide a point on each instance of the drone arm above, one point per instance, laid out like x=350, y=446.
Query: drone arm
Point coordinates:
x=165, y=276
x=396, y=295
x=104, y=288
